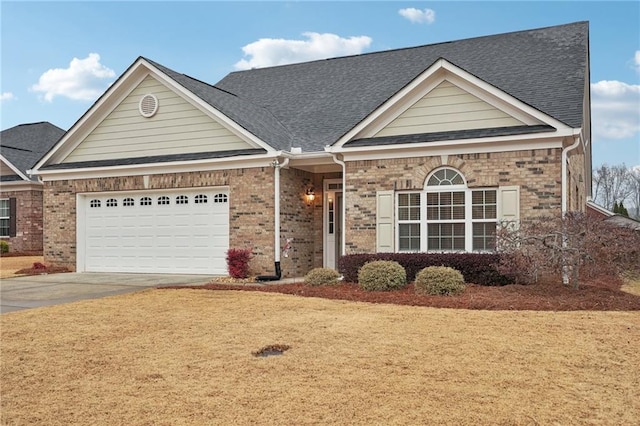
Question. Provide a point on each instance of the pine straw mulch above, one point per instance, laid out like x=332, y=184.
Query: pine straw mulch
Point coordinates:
x=597, y=294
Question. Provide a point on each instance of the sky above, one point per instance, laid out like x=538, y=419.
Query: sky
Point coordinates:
x=57, y=58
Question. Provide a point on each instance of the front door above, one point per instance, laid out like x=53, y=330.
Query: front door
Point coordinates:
x=332, y=222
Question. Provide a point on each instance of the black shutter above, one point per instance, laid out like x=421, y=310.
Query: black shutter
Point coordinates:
x=12, y=217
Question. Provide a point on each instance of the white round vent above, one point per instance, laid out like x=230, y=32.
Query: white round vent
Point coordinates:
x=148, y=105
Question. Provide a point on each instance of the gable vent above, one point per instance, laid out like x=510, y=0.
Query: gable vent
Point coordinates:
x=148, y=105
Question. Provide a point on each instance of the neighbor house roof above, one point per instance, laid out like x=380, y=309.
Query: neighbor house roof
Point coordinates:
x=25, y=144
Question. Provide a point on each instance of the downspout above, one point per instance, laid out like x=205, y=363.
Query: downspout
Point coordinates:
x=344, y=204
x=565, y=155
x=276, y=221
x=276, y=203
x=565, y=158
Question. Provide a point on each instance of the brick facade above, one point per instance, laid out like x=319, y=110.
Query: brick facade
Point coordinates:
x=251, y=204
x=251, y=213
x=28, y=220
x=536, y=172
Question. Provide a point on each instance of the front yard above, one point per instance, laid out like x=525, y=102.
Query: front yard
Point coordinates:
x=179, y=357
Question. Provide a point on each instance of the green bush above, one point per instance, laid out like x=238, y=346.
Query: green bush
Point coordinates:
x=4, y=246
x=439, y=280
x=382, y=275
x=322, y=276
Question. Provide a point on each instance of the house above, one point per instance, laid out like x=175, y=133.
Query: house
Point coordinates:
x=417, y=149
x=21, y=194
x=596, y=211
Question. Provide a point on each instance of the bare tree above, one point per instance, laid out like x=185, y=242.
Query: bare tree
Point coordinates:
x=611, y=184
x=574, y=245
x=634, y=183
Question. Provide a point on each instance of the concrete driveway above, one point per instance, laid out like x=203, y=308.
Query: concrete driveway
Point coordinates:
x=44, y=290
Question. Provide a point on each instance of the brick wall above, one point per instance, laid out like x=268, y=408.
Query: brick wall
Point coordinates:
x=28, y=220
x=251, y=213
x=537, y=172
x=576, y=179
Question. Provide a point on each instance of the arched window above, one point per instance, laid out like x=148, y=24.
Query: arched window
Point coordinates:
x=182, y=199
x=447, y=215
x=112, y=202
x=201, y=199
x=164, y=200
x=128, y=202
x=94, y=203
x=220, y=198
x=145, y=201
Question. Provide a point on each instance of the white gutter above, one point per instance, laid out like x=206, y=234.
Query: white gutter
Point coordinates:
x=344, y=205
x=276, y=203
x=565, y=155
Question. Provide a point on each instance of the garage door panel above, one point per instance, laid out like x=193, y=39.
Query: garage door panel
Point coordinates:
x=132, y=233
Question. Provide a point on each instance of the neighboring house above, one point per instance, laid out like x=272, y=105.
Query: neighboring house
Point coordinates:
x=21, y=194
x=599, y=212
x=417, y=149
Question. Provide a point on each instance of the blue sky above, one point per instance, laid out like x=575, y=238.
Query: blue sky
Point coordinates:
x=58, y=57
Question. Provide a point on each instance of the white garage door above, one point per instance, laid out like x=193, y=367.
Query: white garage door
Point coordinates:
x=177, y=231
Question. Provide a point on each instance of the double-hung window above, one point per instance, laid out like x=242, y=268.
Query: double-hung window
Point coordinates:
x=5, y=218
x=446, y=216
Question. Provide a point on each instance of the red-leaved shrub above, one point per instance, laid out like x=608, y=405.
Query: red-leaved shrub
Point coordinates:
x=238, y=262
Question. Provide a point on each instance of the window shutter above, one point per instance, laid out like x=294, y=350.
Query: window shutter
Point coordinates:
x=12, y=217
x=509, y=205
x=384, y=221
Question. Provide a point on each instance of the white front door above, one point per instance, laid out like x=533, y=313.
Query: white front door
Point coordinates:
x=178, y=231
x=332, y=222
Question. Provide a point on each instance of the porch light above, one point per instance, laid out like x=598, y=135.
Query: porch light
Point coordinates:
x=310, y=196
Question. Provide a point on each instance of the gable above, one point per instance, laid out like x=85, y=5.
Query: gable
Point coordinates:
x=178, y=127
x=8, y=172
x=445, y=108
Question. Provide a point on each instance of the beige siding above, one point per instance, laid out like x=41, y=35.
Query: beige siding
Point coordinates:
x=177, y=128
x=447, y=108
x=6, y=170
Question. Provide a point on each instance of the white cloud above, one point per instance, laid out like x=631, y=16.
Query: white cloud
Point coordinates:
x=417, y=16
x=83, y=80
x=7, y=96
x=636, y=61
x=269, y=51
x=615, y=109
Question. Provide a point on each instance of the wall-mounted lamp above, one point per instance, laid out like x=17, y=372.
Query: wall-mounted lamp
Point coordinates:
x=310, y=196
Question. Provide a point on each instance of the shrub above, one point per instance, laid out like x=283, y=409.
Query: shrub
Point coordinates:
x=382, y=275
x=238, y=262
x=439, y=280
x=39, y=266
x=477, y=268
x=4, y=246
x=321, y=276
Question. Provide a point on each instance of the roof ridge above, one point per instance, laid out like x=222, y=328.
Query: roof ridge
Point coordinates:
x=335, y=58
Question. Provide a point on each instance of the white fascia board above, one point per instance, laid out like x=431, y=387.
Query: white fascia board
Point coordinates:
x=234, y=127
x=13, y=168
x=21, y=185
x=444, y=70
x=599, y=208
x=211, y=164
x=461, y=146
x=95, y=115
x=115, y=95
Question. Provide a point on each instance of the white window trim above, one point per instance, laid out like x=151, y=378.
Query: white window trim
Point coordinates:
x=424, y=222
x=7, y=217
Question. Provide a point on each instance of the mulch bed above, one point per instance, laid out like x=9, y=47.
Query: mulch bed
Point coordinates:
x=21, y=253
x=596, y=295
x=42, y=270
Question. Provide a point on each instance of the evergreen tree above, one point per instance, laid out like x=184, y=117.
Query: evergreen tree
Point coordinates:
x=616, y=209
x=622, y=210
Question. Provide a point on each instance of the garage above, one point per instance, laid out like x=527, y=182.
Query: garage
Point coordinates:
x=183, y=231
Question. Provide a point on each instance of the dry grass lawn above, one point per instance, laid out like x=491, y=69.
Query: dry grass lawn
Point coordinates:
x=184, y=357
x=9, y=265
